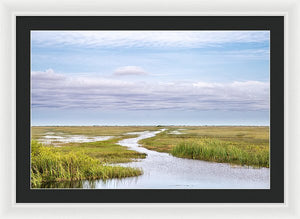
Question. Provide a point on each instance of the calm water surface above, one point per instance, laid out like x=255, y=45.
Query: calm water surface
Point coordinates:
x=163, y=171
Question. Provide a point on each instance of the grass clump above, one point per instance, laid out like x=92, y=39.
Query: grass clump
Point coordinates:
x=222, y=151
x=106, y=151
x=50, y=165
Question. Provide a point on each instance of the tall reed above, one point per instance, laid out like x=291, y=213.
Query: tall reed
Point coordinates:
x=48, y=164
x=222, y=151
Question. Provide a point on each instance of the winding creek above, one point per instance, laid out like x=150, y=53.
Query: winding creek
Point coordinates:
x=163, y=171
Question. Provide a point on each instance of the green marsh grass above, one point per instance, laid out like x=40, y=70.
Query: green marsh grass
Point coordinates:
x=49, y=165
x=223, y=152
x=241, y=145
x=105, y=151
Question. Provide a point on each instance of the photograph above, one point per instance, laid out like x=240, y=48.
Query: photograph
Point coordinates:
x=150, y=109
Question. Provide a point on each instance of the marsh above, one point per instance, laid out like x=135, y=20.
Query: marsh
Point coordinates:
x=160, y=167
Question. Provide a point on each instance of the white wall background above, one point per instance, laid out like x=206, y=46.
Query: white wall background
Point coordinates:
x=10, y=8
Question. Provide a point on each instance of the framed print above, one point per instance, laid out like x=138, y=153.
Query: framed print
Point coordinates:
x=150, y=109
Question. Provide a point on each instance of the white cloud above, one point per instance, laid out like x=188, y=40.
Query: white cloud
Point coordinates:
x=146, y=38
x=49, y=74
x=249, y=54
x=53, y=90
x=129, y=70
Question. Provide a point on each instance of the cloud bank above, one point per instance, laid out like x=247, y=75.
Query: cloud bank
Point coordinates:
x=54, y=90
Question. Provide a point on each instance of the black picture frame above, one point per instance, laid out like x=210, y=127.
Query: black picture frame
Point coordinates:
x=24, y=24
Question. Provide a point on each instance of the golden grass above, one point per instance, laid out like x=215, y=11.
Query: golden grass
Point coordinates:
x=39, y=131
x=105, y=151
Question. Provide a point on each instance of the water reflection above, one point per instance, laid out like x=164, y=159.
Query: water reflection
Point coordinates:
x=68, y=184
x=90, y=184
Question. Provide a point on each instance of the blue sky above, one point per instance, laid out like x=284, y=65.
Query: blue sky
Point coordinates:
x=150, y=77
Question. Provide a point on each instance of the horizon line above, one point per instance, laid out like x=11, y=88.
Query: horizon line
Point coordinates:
x=138, y=125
